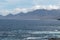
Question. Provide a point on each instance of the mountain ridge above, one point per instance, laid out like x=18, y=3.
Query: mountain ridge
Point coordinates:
x=36, y=14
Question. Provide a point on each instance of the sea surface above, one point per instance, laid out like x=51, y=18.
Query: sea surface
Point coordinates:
x=29, y=29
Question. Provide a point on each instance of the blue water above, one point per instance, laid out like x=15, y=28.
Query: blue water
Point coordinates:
x=29, y=29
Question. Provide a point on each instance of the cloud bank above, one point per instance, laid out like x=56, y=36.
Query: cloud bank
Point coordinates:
x=17, y=6
x=25, y=10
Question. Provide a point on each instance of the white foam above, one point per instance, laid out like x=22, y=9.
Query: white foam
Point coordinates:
x=33, y=37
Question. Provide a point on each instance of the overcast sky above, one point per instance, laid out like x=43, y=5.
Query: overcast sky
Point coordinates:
x=15, y=6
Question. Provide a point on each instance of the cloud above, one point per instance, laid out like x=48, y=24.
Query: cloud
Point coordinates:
x=25, y=10
x=52, y=7
x=4, y=12
x=16, y=6
x=49, y=7
x=18, y=10
x=11, y=4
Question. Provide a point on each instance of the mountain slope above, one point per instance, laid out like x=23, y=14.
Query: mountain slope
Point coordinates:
x=36, y=14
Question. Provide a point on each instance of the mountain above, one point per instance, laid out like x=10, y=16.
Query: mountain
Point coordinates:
x=35, y=15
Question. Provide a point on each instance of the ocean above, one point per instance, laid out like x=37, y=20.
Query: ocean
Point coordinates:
x=29, y=29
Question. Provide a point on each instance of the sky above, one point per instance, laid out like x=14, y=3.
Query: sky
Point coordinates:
x=16, y=6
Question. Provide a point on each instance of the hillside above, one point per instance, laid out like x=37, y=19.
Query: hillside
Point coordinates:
x=34, y=15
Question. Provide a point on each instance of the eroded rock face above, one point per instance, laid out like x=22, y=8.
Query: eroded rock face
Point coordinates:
x=58, y=19
x=54, y=39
